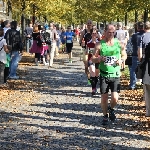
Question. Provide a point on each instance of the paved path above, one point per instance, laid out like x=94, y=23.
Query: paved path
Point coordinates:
x=62, y=115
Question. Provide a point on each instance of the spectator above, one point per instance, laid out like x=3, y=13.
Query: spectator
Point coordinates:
x=14, y=43
x=28, y=34
x=134, y=39
x=63, y=40
x=7, y=26
x=3, y=50
x=58, y=42
x=2, y=24
x=52, y=47
x=144, y=58
x=35, y=48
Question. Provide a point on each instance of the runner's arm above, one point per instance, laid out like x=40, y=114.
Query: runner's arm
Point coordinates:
x=95, y=58
x=81, y=36
x=99, y=36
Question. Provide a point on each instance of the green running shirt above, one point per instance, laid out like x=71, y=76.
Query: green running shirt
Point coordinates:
x=112, y=54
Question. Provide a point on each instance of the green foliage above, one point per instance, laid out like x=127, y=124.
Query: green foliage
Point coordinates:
x=77, y=11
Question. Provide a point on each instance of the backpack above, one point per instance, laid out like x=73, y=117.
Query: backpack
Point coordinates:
x=13, y=40
x=129, y=47
x=47, y=38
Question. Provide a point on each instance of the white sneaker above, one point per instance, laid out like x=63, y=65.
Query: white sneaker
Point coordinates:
x=46, y=64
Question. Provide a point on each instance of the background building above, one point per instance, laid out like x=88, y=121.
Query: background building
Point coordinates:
x=3, y=11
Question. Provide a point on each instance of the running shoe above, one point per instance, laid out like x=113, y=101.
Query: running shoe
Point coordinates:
x=105, y=120
x=94, y=91
x=89, y=82
x=70, y=61
x=112, y=115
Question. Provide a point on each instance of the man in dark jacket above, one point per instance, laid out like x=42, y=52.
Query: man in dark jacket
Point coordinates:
x=134, y=40
x=14, y=43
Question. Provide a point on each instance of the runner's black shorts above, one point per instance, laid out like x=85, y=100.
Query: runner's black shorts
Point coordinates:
x=96, y=65
x=69, y=47
x=112, y=83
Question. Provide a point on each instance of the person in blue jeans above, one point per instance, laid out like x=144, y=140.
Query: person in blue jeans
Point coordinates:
x=63, y=41
x=28, y=34
x=132, y=69
x=135, y=38
x=13, y=40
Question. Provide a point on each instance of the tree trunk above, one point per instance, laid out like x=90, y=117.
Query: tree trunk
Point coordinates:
x=22, y=26
x=145, y=15
x=117, y=19
x=136, y=16
x=126, y=19
x=33, y=18
x=136, y=20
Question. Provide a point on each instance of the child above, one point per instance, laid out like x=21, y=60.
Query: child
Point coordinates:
x=6, y=70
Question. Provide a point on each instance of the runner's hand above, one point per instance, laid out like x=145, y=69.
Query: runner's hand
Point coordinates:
x=119, y=62
x=102, y=58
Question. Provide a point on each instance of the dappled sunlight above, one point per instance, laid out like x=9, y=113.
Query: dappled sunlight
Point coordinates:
x=53, y=109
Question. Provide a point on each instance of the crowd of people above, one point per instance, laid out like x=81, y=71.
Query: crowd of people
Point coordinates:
x=10, y=52
x=104, y=55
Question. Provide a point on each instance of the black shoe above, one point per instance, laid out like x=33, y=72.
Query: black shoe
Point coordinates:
x=93, y=91
x=112, y=116
x=131, y=88
x=105, y=120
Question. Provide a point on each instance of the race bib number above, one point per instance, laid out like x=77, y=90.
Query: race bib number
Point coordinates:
x=69, y=41
x=110, y=60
